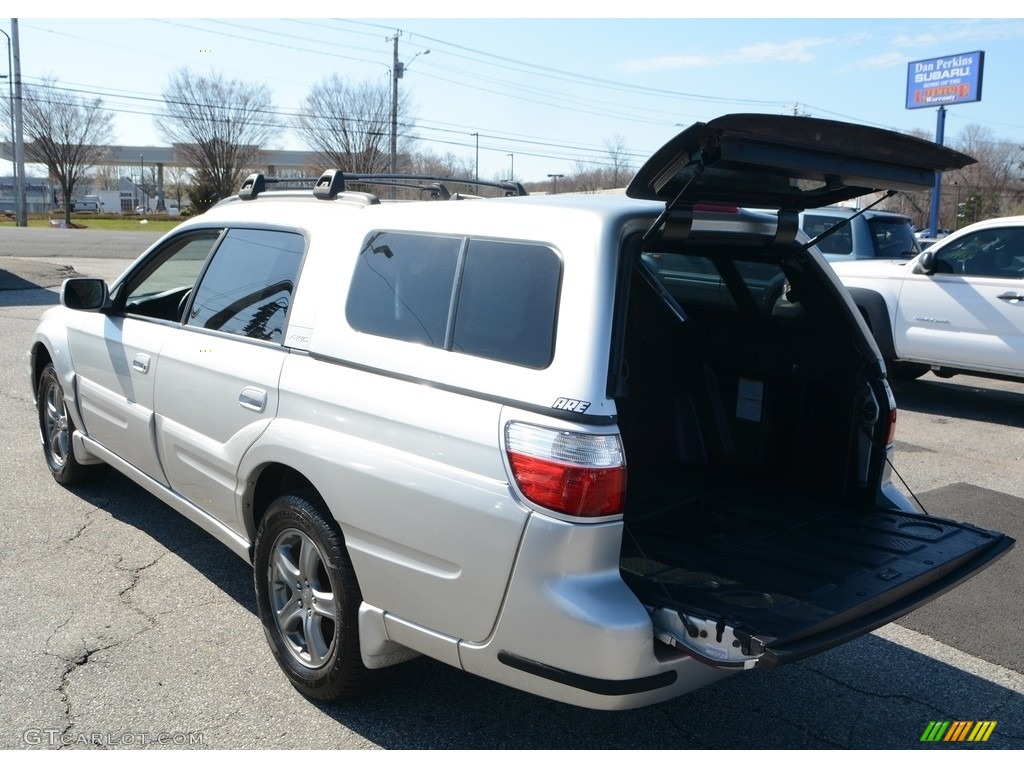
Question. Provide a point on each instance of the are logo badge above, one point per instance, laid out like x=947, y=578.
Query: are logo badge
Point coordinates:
x=568, y=404
x=958, y=730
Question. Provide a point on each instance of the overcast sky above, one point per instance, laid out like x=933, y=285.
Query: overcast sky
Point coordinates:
x=542, y=93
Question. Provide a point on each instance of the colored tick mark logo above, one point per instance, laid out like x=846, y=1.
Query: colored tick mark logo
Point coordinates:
x=958, y=730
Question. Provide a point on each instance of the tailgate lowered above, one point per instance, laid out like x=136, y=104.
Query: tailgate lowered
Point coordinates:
x=769, y=599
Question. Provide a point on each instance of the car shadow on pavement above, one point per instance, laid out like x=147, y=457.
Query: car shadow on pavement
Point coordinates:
x=128, y=502
x=961, y=400
x=28, y=296
x=868, y=694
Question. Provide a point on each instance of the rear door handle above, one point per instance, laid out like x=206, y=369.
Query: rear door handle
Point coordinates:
x=1011, y=297
x=141, y=363
x=254, y=399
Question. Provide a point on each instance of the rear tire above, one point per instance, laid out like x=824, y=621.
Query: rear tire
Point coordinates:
x=57, y=428
x=309, y=599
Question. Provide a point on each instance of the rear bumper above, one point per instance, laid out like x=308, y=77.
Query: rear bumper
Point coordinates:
x=572, y=631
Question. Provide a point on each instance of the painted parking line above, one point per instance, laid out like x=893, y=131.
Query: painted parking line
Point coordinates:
x=929, y=646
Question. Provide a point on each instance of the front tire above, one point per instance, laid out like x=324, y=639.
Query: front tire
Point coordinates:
x=309, y=600
x=57, y=428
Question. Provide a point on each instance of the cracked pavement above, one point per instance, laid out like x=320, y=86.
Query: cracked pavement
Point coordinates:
x=123, y=621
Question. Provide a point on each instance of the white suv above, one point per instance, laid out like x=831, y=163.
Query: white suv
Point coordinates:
x=415, y=419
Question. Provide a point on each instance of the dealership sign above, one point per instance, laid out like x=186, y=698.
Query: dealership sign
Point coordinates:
x=945, y=80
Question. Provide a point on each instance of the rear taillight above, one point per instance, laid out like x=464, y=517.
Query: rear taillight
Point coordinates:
x=890, y=436
x=574, y=473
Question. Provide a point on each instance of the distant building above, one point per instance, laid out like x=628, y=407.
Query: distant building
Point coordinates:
x=39, y=195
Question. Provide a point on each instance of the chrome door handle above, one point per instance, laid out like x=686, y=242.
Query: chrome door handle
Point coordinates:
x=1013, y=298
x=254, y=399
x=141, y=363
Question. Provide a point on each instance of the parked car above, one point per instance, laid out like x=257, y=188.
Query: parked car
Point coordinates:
x=956, y=308
x=868, y=234
x=415, y=419
x=88, y=204
x=925, y=233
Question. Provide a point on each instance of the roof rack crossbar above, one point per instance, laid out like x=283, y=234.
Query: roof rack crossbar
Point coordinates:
x=334, y=182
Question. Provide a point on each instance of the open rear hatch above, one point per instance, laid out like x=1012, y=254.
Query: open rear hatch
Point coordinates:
x=739, y=582
x=787, y=163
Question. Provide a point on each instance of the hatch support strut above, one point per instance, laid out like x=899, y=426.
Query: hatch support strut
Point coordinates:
x=669, y=206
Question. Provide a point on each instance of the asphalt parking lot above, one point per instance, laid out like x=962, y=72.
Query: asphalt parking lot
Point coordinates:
x=126, y=626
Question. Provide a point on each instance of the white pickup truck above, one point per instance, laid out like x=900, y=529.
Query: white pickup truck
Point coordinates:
x=958, y=307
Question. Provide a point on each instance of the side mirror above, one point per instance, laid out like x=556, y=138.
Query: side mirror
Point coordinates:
x=926, y=263
x=85, y=293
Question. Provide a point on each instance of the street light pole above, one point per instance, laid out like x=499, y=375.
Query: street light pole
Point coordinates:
x=10, y=105
x=142, y=189
x=21, y=215
x=512, y=167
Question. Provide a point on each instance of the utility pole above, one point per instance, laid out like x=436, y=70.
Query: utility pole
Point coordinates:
x=396, y=73
x=476, y=169
x=21, y=214
x=10, y=107
x=554, y=181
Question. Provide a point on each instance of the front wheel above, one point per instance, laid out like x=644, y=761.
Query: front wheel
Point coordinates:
x=309, y=600
x=56, y=428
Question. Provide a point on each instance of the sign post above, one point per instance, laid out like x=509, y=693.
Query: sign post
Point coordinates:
x=940, y=82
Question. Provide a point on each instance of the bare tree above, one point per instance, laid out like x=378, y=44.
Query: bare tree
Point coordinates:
x=450, y=166
x=618, y=157
x=64, y=132
x=992, y=186
x=586, y=177
x=348, y=125
x=108, y=177
x=176, y=184
x=218, y=126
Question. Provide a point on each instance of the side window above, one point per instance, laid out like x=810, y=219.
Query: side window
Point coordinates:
x=487, y=298
x=402, y=287
x=247, y=288
x=160, y=289
x=507, y=302
x=988, y=253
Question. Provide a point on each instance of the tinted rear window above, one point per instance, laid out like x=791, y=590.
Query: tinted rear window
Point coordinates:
x=839, y=242
x=487, y=298
x=892, y=238
x=507, y=302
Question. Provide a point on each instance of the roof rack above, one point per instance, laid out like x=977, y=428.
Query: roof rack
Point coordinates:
x=435, y=184
x=332, y=184
x=329, y=186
